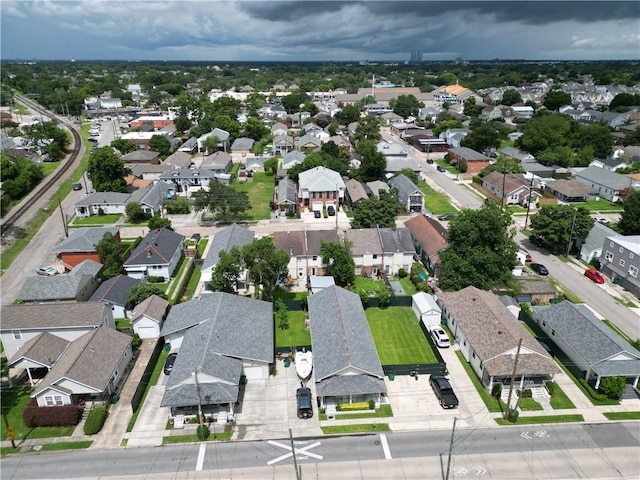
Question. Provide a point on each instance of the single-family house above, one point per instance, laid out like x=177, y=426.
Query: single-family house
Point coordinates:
x=366, y=251
x=341, y=141
x=242, y=145
x=147, y=317
x=90, y=367
x=320, y=187
x=151, y=197
x=303, y=248
x=397, y=164
x=535, y=290
x=389, y=118
x=142, y=156
x=389, y=149
x=179, y=159
x=373, y=188
x=188, y=180
x=346, y=367
x=591, y=247
x=157, y=255
x=81, y=245
x=114, y=292
x=102, y=203
x=282, y=144
x=620, y=261
x=570, y=191
x=426, y=309
x=150, y=172
x=292, y=158
x=355, y=192
x=612, y=163
x=308, y=143
x=410, y=196
x=317, y=283
x=222, y=137
x=286, y=197
x=510, y=188
x=255, y=164
x=607, y=183
x=223, y=241
x=474, y=161
x=21, y=323
x=397, y=249
x=218, y=162
x=190, y=146
x=489, y=337
x=593, y=348
x=219, y=338
x=429, y=239
x=76, y=286
x=279, y=129
x=517, y=154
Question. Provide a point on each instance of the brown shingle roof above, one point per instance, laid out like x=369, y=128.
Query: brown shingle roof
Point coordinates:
x=290, y=242
x=429, y=234
x=153, y=307
x=316, y=237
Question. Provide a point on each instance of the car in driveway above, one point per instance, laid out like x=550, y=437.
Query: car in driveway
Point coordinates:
x=331, y=211
x=440, y=168
x=537, y=240
x=447, y=216
x=439, y=336
x=168, y=364
x=594, y=275
x=539, y=269
x=601, y=220
x=305, y=406
x=317, y=214
x=444, y=392
x=46, y=271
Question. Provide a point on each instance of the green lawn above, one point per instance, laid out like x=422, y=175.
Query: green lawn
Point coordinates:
x=559, y=399
x=407, y=285
x=260, y=192
x=622, y=415
x=493, y=404
x=282, y=294
x=13, y=401
x=601, y=205
x=202, y=245
x=437, y=203
x=368, y=285
x=383, y=411
x=365, y=427
x=98, y=219
x=542, y=420
x=51, y=447
x=398, y=337
x=217, y=437
x=49, y=167
x=193, y=283
x=529, y=404
x=296, y=335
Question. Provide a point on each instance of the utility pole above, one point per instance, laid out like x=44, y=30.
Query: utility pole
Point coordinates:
x=453, y=431
x=64, y=222
x=504, y=180
x=200, y=416
x=513, y=377
x=573, y=224
x=526, y=219
x=295, y=462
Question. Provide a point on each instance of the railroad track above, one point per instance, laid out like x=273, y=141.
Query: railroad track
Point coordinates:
x=23, y=209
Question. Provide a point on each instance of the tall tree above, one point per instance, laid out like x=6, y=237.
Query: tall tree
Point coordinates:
x=160, y=144
x=340, y=264
x=106, y=171
x=255, y=129
x=629, y=223
x=597, y=136
x=481, y=138
x=349, y=114
x=124, y=146
x=228, y=270
x=471, y=108
x=266, y=265
x=373, y=163
x=556, y=99
x=226, y=203
x=368, y=129
x=548, y=131
x=110, y=254
x=139, y=293
x=374, y=211
x=562, y=224
x=405, y=106
x=510, y=97
x=159, y=222
x=481, y=250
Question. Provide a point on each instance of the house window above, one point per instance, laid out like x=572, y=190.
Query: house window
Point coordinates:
x=630, y=255
x=544, y=323
x=49, y=401
x=622, y=263
x=608, y=256
x=473, y=354
x=620, y=249
x=17, y=334
x=375, y=256
x=553, y=332
x=58, y=399
x=633, y=271
x=315, y=257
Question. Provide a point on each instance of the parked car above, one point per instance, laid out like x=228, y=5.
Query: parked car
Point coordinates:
x=539, y=269
x=305, y=406
x=317, y=214
x=430, y=160
x=594, y=275
x=601, y=220
x=440, y=168
x=444, y=392
x=527, y=256
x=168, y=364
x=331, y=211
x=46, y=271
x=77, y=186
x=439, y=336
x=537, y=240
x=447, y=216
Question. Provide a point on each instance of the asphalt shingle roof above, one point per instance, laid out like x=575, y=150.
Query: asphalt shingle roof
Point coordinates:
x=153, y=307
x=115, y=290
x=225, y=240
x=429, y=234
x=45, y=348
x=156, y=248
x=320, y=179
x=51, y=316
x=84, y=239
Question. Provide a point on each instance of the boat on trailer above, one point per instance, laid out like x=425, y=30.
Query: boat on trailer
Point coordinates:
x=304, y=363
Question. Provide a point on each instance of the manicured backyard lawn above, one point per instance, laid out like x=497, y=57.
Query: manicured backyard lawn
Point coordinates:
x=260, y=192
x=438, y=203
x=368, y=285
x=296, y=335
x=398, y=337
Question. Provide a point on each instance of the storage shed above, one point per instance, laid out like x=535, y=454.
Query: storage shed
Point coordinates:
x=426, y=309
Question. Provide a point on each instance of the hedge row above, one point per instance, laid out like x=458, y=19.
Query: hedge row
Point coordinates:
x=59, y=416
x=95, y=420
x=347, y=407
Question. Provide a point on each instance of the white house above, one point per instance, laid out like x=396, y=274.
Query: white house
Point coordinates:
x=426, y=309
x=147, y=317
x=157, y=255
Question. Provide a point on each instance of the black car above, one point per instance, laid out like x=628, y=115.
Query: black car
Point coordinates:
x=430, y=160
x=168, y=364
x=537, y=240
x=77, y=186
x=539, y=269
x=317, y=214
x=447, y=216
x=440, y=168
x=305, y=407
x=331, y=211
x=444, y=392
x=196, y=236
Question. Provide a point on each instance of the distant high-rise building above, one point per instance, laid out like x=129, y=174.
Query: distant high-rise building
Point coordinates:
x=416, y=56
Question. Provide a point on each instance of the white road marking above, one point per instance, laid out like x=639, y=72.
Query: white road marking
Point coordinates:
x=200, y=462
x=385, y=446
x=299, y=451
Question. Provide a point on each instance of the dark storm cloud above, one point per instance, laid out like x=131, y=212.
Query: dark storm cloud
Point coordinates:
x=530, y=12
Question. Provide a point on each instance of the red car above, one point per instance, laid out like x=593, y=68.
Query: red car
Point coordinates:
x=594, y=275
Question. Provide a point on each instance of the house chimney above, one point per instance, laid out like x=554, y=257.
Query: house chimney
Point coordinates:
x=148, y=253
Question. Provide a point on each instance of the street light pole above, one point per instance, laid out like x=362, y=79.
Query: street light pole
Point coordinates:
x=526, y=219
x=573, y=224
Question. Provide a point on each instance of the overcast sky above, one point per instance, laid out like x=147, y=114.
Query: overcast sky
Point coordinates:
x=318, y=30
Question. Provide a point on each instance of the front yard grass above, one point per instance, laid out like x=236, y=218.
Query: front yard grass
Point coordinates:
x=364, y=427
x=223, y=436
x=383, y=411
x=260, y=192
x=559, y=399
x=622, y=415
x=97, y=220
x=52, y=447
x=297, y=333
x=398, y=337
x=528, y=404
x=437, y=203
x=601, y=205
x=493, y=404
x=14, y=401
x=542, y=420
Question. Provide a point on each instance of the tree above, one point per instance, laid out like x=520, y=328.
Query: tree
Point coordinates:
x=373, y=163
x=293, y=101
x=124, y=146
x=510, y=97
x=157, y=221
x=226, y=203
x=613, y=387
x=503, y=164
x=481, y=138
x=597, y=136
x=266, y=265
x=134, y=212
x=282, y=315
x=561, y=224
x=226, y=106
x=548, y=131
x=481, y=250
x=139, y=293
x=182, y=123
x=228, y=124
x=405, y=106
x=106, y=171
x=632, y=138
x=110, y=254
x=160, y=144
x=374, y=211
x=471, y=108
x=228, y=269
x=556, y=98
x=349, y=114
x=210, y=143
x=410, y=174
x=629, y=223
x=624, y=100
x=254, y=128
x=340, y=264
x=271, y=165
x=368, y=129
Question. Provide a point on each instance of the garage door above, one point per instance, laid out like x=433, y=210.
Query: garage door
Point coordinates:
x=147, y=332
x=252, y=373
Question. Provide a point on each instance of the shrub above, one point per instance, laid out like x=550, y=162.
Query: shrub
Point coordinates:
x=347, y=407
x=592, y=393
x=372, y=404
x=415, y=279
x=402, y=273
x=496, y=390
x=525, y=308
x=613, y=387
x=551, y=387
x=60, y=416
x=513, y=416
x=136, y=342
x=95, y=420
x=202, y=432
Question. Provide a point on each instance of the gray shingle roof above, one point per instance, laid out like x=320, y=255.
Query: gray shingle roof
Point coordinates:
x=405, y=187
x=341, y=340
x=597, y=234
x=156, y=248
x=242, y=143
x=493, y=332
x=320, y=179
x=152, y=195
x=51, y=316
x=316, y=237
x=180, y=159
x=355, y=190
x=63, y=287
x=84, y=239
x=293, y=243
x=153, y=307
x=600, y=176
x=89, y=360
x=364, y=241
x=287, y=192
x=605, y=351
x=396, y=240
x=87, y=267
x=235, y=326
x=224, y=240
x=104, y=198
x=44, y=349
x=115, y=290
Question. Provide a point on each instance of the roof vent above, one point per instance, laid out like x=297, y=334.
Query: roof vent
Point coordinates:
x=148, y=253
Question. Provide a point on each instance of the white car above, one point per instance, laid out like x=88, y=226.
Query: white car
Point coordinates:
x=46, y=271
x=440, y=337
